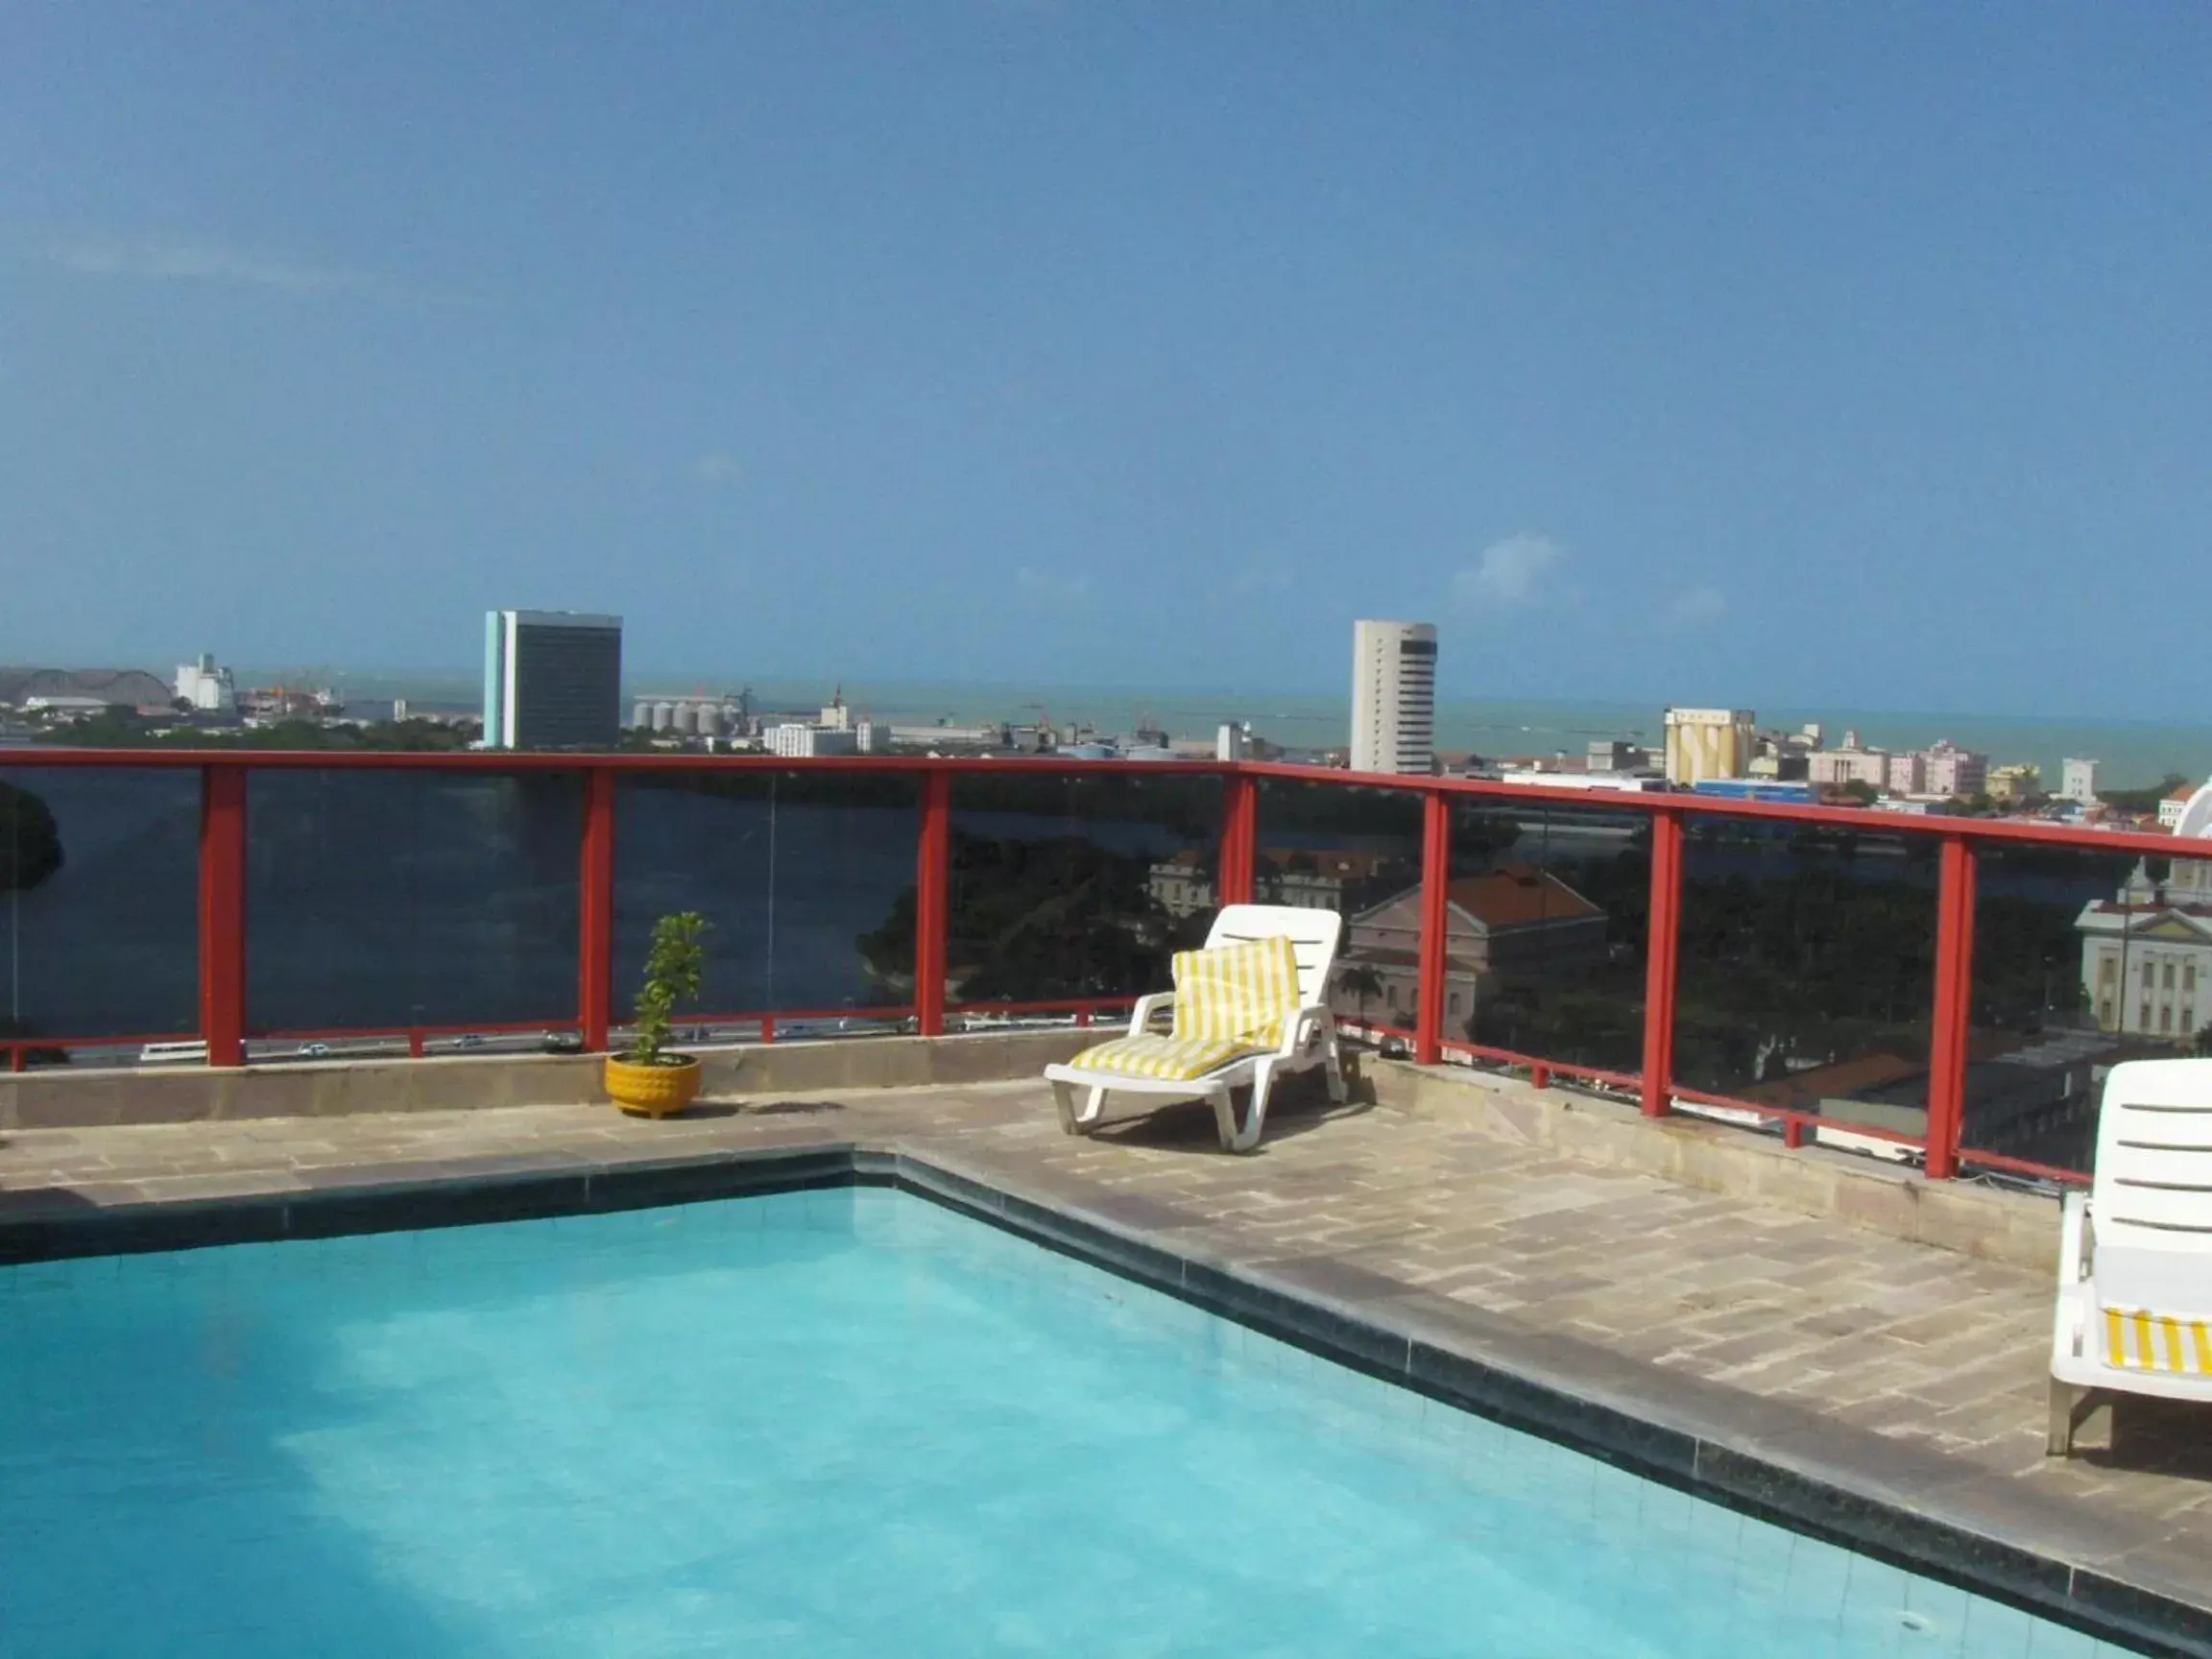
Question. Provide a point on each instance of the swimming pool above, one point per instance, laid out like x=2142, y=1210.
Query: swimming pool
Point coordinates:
x=838, y=1422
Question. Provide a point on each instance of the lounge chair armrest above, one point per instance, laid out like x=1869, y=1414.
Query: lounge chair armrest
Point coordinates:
x=1141, y=1015
x=2074, y=1238
x=1298, y=1030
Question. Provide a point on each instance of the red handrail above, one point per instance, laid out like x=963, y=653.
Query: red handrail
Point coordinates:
x=1239, y=858
x=1954, y=991
x=222, y=913
x=1435, y=970
x=223, y=936
x=1662, y=953
x=595, y=911
x=933, y=901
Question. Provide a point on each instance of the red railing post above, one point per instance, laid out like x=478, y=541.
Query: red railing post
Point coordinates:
x=1954, y=999
x=933, y=906
x=222, y=913
x=1435, y=927
x=1240, y=838
x=595, y=912
x=1661, y=951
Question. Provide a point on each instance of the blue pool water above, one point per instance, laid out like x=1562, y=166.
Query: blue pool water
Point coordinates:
x=841, y=1423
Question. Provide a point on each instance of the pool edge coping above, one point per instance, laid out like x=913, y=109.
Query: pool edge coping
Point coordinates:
x=1627, y=1419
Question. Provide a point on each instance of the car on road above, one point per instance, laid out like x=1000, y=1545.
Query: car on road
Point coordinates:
x=312, y=1050
x=563, y=1043
x=468, y=1039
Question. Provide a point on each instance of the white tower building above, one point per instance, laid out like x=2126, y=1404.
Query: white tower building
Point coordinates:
x=1393, y=697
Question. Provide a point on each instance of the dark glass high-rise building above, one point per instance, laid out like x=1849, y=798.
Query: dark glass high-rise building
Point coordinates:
x=552, y=680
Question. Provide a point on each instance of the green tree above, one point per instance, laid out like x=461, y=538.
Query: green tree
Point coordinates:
x=673, y=965
x=2144, y=799
x=1035, y=919
x=29, y=840
x=1363, y=983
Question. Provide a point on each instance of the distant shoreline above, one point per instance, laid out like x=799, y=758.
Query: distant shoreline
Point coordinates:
x=2132, y=754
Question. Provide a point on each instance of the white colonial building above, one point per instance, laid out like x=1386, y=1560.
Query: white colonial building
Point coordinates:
x=1515, y=923
x=2147, y=956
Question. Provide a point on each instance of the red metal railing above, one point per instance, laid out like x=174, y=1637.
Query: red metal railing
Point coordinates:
x=223, y=927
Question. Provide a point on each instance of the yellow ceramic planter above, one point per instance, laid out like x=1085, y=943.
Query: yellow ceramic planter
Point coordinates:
x=655, y=1091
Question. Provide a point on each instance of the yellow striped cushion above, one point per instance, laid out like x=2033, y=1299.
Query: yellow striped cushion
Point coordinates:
x=2137, y=1340
x=1236, y=992
x=1170, y=1059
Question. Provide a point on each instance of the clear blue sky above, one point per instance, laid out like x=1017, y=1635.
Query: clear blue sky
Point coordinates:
x=1764, y=354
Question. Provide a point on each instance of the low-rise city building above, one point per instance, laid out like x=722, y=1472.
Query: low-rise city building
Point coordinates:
x=1849, y=764
x=1906, y=773
x=1618, y=755
x=1319, y=880
x=1616, y=783
x=1791, y=790
x=1958, y=773
x=1708, y=743
x=797, y=741
x=947, y=737
x=2078, y=782
x=207, y=687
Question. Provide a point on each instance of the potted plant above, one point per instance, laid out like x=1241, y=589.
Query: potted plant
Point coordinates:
x=647, y=1078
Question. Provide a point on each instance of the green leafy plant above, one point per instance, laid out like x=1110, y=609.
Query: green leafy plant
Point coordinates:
x=672, y=967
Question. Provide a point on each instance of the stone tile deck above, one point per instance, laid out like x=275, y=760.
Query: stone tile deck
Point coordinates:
x=1797, y=1334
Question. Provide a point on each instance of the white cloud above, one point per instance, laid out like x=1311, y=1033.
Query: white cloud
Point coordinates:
x=715, y=468
x=194, y=259
x=1696, y=605
x=1060, y=587
x=1260, y=577
x=1509, y=572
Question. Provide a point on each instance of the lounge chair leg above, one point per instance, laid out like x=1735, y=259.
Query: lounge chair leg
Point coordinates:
x=1333, y=1063
x=1073, y=1121
x=1234, y=1140
x=2060, y=1443
x=1224, y=1104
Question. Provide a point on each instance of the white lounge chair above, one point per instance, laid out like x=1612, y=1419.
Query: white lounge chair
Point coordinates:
x=1285, y=1027
x=2135, y=1251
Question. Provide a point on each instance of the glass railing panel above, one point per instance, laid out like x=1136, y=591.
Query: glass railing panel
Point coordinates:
x=1806, y=978
x=2081, y=959
x=1550, y=914
x=1071, y=886
x=806, y=880
x=99, y=903
x=1354, y=849
x=394, y=898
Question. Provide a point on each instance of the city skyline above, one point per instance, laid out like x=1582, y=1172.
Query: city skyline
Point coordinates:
x=1708, y=359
